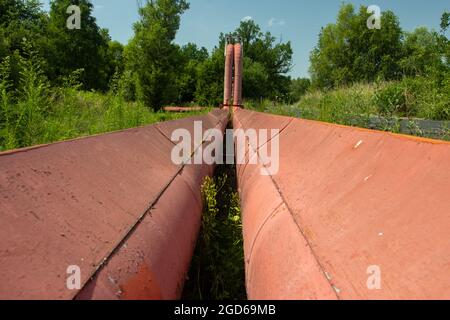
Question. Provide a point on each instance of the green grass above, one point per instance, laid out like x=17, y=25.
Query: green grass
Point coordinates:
x=337, y=106
x=32, y=112
x=67, y=113
x=420, y=98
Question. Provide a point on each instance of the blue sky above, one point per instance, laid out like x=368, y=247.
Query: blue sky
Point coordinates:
x=298, y=21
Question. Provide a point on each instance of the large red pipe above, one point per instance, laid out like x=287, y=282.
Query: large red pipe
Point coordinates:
x=229, y=53
x=351, y=213
x=114, y=207
x=238, y=67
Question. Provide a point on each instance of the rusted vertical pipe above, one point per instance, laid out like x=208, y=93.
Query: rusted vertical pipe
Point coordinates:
x=238, y=67
x=229, y=52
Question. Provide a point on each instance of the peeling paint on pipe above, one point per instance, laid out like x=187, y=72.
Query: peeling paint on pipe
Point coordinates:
x=346, y=202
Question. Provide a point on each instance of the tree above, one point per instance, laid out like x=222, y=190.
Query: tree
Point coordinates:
x=69, y=50
x=256, y=80
x=209, y=86
x=348, y=51
x=444, y=41
x=298, y=88
x=427, y=53
x=152, y=55
x=191, y=59
x=266, y=64
x=445, y=21
x=19, y=20
x=422, y=54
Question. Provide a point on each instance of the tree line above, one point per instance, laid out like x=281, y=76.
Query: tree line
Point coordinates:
x=150, y=68
x=349, y=52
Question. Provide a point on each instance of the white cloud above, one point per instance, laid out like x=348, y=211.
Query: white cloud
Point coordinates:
x=274, y=22
x=247, y=18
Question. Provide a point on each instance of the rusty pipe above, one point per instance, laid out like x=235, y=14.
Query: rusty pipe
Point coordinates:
x=229, y=53
x=113, y=228
x=238, y=68
x=371, y=201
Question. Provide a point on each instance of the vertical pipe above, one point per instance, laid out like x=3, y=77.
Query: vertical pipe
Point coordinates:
x=238, y=67
x=229, y=52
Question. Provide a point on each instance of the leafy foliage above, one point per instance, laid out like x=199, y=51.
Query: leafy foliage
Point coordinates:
x=266, y=64
x=63, y=51
x=35, y=113
x=192, y=58
x=421, y=53
x=217, y=271
x=209, y=88
x=350, y=52
x=86, y=48
x=20, y=20
x=298, y=88
x=152, y=56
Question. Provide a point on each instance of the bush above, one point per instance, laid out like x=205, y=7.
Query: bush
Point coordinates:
x=439, y=101
x=346, y=105
x=390, y=99
x=298, y=88
x=7, y=123
x=420, y=97
x=34, y=113
x=23, y=110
